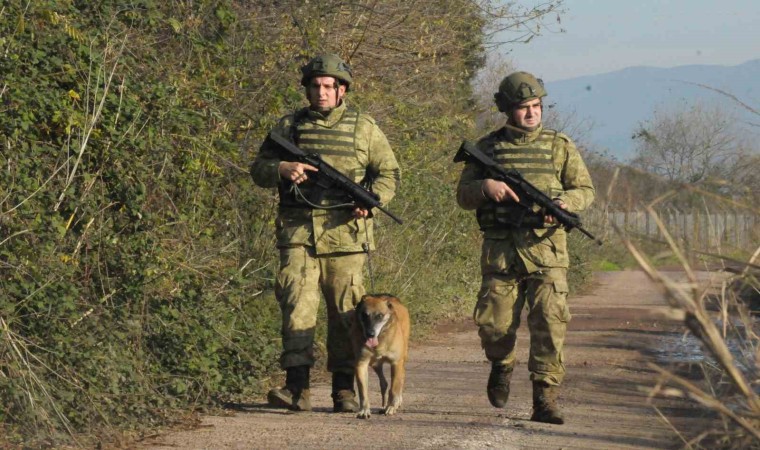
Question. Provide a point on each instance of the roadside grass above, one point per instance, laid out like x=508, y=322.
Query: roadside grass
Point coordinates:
x=607, y=266
x=613, y=255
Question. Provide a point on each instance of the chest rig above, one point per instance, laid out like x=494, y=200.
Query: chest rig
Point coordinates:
x=336, y=145
x=534, y=159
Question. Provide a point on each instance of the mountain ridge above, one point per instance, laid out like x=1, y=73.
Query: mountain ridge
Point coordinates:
x=618, y=102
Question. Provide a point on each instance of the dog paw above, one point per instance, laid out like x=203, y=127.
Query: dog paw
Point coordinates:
x=390, y=410
x=364, y=413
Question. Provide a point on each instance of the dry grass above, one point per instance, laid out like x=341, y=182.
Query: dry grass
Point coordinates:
x=23, y=365
x=727, y=331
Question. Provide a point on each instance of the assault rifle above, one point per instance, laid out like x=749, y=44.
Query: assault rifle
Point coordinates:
x=526, y=191
x=331, y=177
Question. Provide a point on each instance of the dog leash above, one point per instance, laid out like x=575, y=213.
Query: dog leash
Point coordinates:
x=365, y=247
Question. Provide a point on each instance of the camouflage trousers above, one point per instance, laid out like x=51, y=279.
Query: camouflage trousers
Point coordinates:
x=507, y=288
x=303, y=275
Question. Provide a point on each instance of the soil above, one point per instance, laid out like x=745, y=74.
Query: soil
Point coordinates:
x=617, y=329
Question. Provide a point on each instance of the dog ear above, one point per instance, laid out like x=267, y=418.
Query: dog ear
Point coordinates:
x=352, y=314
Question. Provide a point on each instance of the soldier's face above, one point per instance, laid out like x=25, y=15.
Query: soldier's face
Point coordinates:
x=527, y=115
x=322, y=93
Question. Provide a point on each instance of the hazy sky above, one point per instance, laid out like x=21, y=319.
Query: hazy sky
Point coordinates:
x=606, y=35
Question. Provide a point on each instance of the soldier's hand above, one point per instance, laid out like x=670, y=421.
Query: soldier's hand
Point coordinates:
x=295, y=171
x=498, y=191
x=361, y=213
x=551, y=219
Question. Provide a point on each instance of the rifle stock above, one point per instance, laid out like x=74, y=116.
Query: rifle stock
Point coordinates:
x=470, y=152
x=357, y=193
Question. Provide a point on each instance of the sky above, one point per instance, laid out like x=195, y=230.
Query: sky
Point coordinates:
x=606, y=35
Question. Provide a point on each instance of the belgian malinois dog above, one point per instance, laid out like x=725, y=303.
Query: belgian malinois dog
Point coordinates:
x=380, y=334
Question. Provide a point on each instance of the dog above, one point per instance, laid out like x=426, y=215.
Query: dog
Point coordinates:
x=379, y=334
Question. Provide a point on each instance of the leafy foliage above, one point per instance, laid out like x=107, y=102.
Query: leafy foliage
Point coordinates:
x=136, y=258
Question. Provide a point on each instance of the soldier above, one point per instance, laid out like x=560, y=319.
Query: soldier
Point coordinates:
x=322, y=244
x=523, y=266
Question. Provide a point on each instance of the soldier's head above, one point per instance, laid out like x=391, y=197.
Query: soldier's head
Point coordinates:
x=326, y=79
x=519, y=97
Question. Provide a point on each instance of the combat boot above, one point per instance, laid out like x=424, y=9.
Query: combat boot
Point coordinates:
x=295, y=395
x=343, y=394
x=498, y=384
x=545, y=408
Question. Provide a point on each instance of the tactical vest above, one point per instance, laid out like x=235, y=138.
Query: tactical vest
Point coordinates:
x=535, y=162
x=336, y=146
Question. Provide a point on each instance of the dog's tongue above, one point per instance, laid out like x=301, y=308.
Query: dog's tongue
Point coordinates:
x=371, y=342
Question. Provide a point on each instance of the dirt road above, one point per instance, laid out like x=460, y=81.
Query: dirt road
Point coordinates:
x=615, y=331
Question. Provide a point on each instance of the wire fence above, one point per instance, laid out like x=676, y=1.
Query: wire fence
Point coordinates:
x=697, y=229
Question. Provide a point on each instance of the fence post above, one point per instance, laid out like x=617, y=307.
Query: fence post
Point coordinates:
x=677, y=225
x=737, y=244
x=646, y=223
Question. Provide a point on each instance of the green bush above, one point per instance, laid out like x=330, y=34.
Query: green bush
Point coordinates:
x=137, y=259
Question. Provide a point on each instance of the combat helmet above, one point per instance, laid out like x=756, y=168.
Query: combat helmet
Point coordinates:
x=329, y=65
x=516, y=88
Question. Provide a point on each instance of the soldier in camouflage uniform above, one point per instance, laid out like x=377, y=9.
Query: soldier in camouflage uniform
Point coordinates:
x=523, y=266
x=322, y=249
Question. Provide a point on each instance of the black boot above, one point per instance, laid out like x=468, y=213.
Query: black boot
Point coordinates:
x=295, y=395
x=545, y=408
x=498, y=384
x=343, y=394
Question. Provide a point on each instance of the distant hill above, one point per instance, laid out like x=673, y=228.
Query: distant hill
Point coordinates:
x=617, y=102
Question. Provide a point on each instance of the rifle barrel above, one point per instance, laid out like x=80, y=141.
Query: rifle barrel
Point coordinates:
x=390, y=214
x=590, y=236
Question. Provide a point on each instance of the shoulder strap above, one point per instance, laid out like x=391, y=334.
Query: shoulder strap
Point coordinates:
x=298, y=117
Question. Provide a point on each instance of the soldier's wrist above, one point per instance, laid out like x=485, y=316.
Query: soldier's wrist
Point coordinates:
x=561, y=202
x=482, y=189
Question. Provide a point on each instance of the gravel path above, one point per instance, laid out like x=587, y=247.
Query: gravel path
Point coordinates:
x=616, y=329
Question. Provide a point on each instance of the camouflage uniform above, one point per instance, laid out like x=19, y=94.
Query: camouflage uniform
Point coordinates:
x=321, y=249
x=522, y=266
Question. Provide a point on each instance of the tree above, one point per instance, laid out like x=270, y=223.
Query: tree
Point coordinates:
x=688, y=145
x=488, y=117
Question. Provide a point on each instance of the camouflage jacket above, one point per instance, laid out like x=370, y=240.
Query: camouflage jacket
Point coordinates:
x=353, y=144
x=550, y=161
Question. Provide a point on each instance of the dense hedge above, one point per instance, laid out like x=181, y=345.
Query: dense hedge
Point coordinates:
x=136, y=257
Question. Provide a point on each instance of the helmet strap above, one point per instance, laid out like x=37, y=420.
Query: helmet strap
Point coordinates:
x=338, y=98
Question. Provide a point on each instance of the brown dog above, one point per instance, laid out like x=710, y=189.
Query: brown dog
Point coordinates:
x=380, y=334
